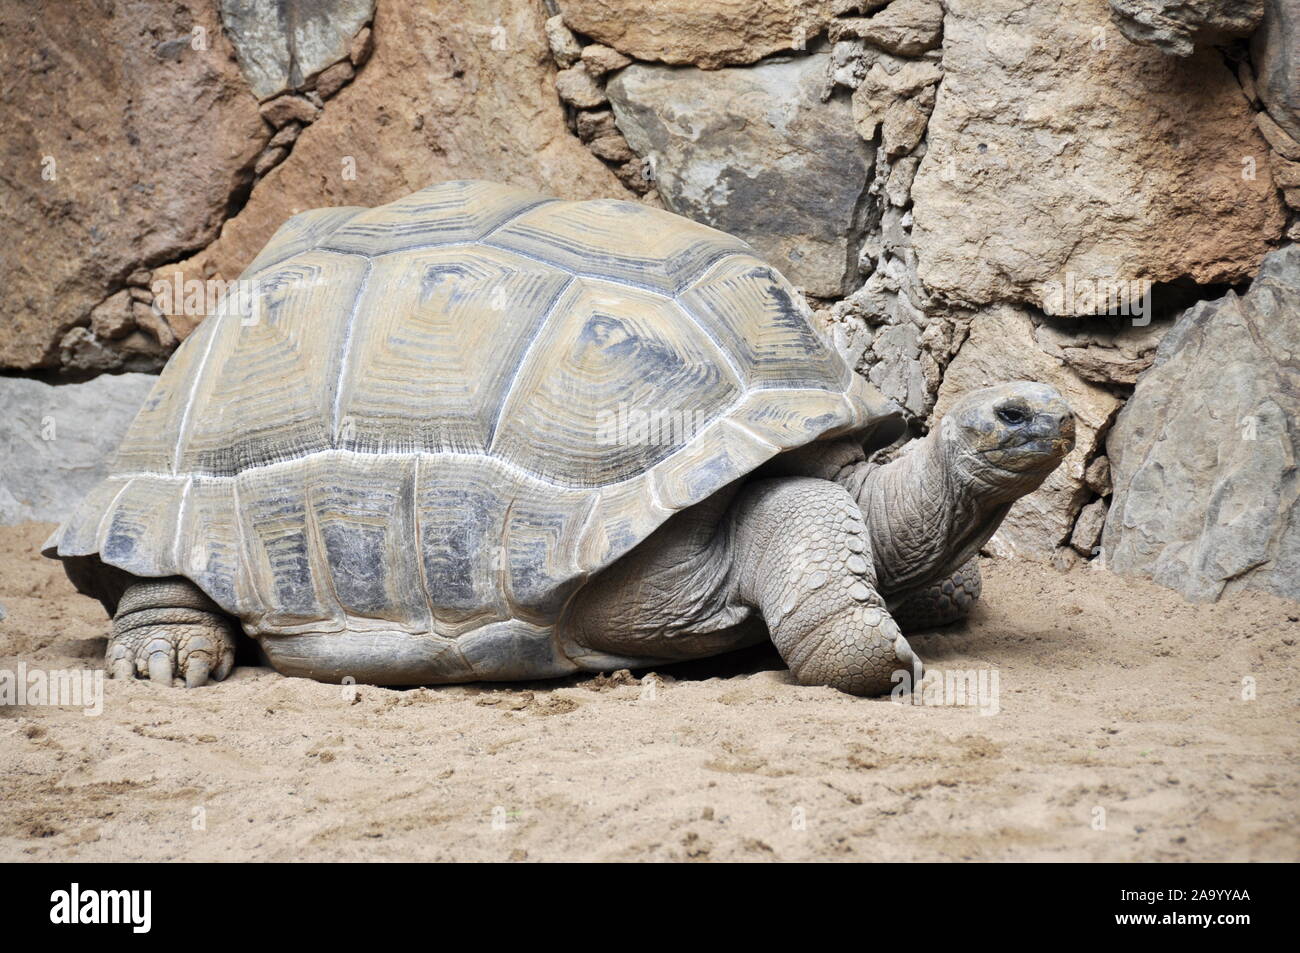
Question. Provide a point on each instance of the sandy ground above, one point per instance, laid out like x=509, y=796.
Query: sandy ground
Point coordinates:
x=1120, y=708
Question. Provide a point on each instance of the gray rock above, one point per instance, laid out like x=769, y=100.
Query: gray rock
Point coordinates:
x=57, y=439
x=755, y=151
x=281, y=44
x=1179, y=26
x=1203, y=456
x=1275, y=50
x=1088, y=528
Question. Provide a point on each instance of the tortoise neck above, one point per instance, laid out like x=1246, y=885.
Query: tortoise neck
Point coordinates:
x=925, y=520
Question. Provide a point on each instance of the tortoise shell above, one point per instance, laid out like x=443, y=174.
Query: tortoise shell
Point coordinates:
x=449, y=411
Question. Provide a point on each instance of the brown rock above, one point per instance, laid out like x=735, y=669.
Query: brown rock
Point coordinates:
x=1277, y=137
x=286, y=109
x=120, y=152
x=594, y=125
x=335, y=78
x=286, y=135
x=112, y=318
x=1086, y=538
x=362, y=45
x=1097, y=476
x=269, y=159
x=905, y=27
x=706, y=33
x=611, y=148
x=1118, y=163
x=577, y=87
x=147, y=319
x=565, y=48
x=600, y=59
x=434, y=102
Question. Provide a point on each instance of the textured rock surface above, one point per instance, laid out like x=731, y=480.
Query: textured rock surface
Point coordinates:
x=1002, y=347
x=56, y=440
x=123, y=146
x=756, y=152
x=435, y=101
x=707, y=33
x=283, y=44
x=1177, y=26
x=1275, y=50
x=1049, y=156
x=1204, y=454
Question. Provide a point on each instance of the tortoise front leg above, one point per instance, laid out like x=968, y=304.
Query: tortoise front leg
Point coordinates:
x=803, y=560
x=945, y=601
x=168, y=627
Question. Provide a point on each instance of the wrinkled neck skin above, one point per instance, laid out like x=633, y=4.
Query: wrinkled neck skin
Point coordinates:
x=930, y=510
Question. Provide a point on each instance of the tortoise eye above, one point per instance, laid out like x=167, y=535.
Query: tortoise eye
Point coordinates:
x=1012, y=415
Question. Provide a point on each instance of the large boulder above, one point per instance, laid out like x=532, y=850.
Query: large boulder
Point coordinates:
x=128, y=134
x=441, y=97
x=1002, y=347
x=283, y=44
x=1178, y=26
x=706, y=33
x=1203, y=456
x=56, y=440
x=1058, y=152
x=1275, y=49
x=756, y=152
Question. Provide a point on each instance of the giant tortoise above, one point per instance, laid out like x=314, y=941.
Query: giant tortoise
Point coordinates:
x=480, y=434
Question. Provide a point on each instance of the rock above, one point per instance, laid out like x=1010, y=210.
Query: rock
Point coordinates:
x=1031, y=149
x=120, y=153
x=705, y=33
x=269, y=159
x=565, y=48
x=905, y=27
x=1102, y=351
x=612, y=148
x=84, y=353
x=1086, y=537
x=147, y=319
x=361, y=48
x=434, y=102
x=1275, y=50
x=285, y=135
x=1002, y=347
x=1178, y=26
x=57, y=440
x=596, y=125
x=1277, y=137
x=283, y=44
x=112, y=318
x=1097, y=476
x=755, y=152
x=335, y=78
x=286, y=109
x=889, y=82
x=600, y=59
x=1204, y=453
x=579, y=88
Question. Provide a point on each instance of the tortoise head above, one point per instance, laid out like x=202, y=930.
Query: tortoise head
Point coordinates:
x=1007, y=438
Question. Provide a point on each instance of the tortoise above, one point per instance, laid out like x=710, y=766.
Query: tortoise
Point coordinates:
x=481, y=434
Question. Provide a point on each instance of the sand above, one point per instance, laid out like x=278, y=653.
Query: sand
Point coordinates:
x=1121, y=733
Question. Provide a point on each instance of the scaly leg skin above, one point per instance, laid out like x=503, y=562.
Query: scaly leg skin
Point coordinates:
x=941, y=603
x=803, y=559
x=167, y=626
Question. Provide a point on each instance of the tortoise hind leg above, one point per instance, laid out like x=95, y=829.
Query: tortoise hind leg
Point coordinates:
x=163, y=627
x=946, y=601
